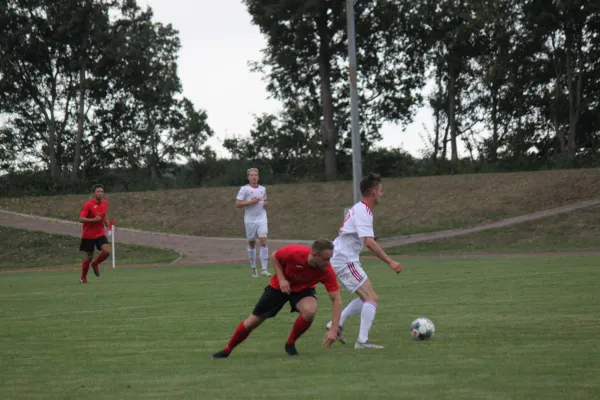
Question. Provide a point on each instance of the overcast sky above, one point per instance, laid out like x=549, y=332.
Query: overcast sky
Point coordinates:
x=218, y=39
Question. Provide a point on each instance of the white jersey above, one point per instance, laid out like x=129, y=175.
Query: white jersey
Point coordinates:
x=253, y=213
x=357, y=225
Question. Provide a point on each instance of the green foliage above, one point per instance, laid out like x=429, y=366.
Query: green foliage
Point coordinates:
x=89, y=89
x=93, y=84
x=305, y=64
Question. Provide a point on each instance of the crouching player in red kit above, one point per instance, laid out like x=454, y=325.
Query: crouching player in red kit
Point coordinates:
x=297, y=271
x=93, y=217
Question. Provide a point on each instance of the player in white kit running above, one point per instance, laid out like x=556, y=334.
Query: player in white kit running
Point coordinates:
x=253, y=198
x=357, y=231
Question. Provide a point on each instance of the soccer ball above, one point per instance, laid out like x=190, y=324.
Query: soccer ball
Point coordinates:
x=422, y=329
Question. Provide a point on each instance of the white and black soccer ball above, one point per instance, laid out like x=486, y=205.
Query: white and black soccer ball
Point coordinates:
x=422, y=329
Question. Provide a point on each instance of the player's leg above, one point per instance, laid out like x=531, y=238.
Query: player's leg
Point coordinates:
x=352, y=276
x=367, y=315
x=251, y=233
x=86, y=246
x=269, y=304
x=306, y=304
x=354, y=307
x=104, y=247
x=264, y=250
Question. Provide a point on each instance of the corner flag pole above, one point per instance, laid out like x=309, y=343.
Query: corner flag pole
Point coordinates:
x=111, y=233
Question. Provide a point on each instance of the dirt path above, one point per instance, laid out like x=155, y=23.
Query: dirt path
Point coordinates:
x=204, y=250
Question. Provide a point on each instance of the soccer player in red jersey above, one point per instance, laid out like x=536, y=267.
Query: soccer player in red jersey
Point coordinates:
x=93, y=216
x=298, y=269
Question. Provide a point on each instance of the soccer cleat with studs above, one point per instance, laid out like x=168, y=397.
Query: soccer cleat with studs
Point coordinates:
x=291, y=349
x=367, y=345
x=220, y=354
x=265, y=273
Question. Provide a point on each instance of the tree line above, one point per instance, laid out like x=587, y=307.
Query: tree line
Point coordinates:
x=89, y=86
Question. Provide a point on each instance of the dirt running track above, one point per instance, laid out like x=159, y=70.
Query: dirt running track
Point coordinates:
x=209, y=250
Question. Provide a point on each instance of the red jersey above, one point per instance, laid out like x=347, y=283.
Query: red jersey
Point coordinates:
x=300, y=275
x=93, y=230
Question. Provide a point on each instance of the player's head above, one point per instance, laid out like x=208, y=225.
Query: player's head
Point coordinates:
x=321, y=253
x=98, y=191
x=253, y=176
x=370, y=188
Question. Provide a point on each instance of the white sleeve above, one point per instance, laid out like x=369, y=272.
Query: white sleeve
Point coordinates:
x=364, y=224
x=241, y=194
x=265, y=194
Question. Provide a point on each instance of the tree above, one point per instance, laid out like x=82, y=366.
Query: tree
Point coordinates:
x=93, y=84
x=305, y=63
x=44, y=45
x=145, y=120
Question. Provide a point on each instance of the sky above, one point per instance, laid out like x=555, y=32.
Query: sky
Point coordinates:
x=218, y=40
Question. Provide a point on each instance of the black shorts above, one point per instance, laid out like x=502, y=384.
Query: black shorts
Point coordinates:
x=273, y=300
x=88, y=245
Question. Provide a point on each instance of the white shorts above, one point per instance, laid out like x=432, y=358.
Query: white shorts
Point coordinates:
x=351, y=275
x=256, y=230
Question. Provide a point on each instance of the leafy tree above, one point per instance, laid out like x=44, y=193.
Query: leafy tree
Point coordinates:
x=95, y=83
x=305, y=63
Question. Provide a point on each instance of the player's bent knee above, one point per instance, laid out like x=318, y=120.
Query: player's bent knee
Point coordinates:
x=307, y=308
x=367, y=293
x=253, y=322
x=308, y=316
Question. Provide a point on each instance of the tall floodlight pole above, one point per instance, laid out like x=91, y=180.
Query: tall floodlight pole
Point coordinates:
x=356, y=157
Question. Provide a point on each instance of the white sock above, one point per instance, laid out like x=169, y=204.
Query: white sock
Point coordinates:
x=366, y=320
x=252, y=257
x=354, y=307
x=264, y=257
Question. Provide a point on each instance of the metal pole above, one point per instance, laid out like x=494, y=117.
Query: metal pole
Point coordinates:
x=356, y=156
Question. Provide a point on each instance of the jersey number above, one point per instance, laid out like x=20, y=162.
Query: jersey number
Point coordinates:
x=345, y=219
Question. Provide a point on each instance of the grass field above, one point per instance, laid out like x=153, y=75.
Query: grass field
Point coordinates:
x=410, y=205
x=29, y=249
x=505, y=328
x=578, y=230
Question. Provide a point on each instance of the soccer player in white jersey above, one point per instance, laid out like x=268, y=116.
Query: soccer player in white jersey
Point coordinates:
x=253, y=198
x=357, y=231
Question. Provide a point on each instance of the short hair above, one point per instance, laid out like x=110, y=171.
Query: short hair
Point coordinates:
x=321, y=245
x=250, y=170
x=369, y=183
x=96, y=186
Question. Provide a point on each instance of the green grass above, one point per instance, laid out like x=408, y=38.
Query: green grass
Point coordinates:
x=410, y=205
x=30, y=249
x=506, y=328
x=578, y=230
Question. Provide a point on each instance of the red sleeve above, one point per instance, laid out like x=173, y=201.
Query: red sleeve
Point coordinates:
x=284, y=254
x=329, y=280
x=84, y=210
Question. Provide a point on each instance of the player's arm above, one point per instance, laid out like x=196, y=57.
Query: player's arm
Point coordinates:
x=84, y=213
x=276, y=259
x=240, y=202
x=333, y=290
x=265, y=202
x=106, y=218
x=376, y=249
x=336, y=309
x=364, y=228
